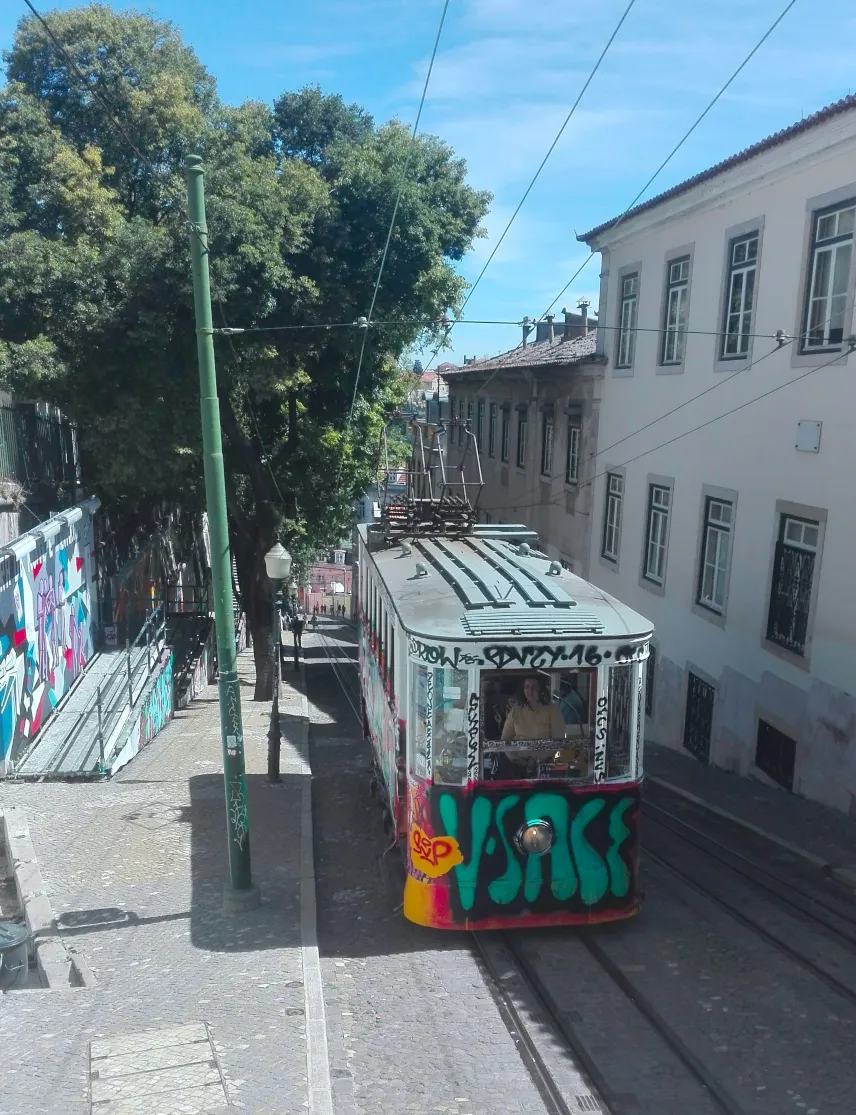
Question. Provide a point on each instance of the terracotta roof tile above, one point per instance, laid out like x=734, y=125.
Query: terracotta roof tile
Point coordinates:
x=846, y=104
x=547, y=353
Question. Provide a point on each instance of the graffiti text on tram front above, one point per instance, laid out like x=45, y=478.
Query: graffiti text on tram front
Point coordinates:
x=434, y=856
x=438, y=656
x=542, y=657
x=601, y=721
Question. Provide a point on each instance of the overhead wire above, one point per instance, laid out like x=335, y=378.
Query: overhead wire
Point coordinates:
x=402, y=182
x=679, y=144
x=534, y=179
x=694, y=429
x=668, y=158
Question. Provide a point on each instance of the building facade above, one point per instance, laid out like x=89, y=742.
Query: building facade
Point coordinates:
x=534, y=414
x=722, y=506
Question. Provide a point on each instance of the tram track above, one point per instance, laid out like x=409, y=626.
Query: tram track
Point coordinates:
x=792, y=906
x=560, y=1038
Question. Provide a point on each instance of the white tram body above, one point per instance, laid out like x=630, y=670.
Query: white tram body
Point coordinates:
x=516, y=803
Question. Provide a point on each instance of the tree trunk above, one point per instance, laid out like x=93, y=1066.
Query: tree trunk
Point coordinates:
x=257, y=602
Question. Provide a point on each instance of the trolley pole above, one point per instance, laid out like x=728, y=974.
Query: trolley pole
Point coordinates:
x=240, y=895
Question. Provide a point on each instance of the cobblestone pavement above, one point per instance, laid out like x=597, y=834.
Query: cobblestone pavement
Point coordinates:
x=825, y=833
x=412, y=1027
x=135, y=870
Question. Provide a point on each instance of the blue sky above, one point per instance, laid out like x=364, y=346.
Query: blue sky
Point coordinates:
x=506, y=75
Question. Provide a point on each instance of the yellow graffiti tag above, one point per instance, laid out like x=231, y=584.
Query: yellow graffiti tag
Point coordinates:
x=433, y=857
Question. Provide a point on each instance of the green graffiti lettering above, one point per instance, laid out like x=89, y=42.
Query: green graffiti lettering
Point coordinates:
x=467, y=873
x=563, y=883
x=504, y=889
x=594, y=878
x=618, y=833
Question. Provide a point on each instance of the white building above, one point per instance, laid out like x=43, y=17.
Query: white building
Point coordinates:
x=724, y=488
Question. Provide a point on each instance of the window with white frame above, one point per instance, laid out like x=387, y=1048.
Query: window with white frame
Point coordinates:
x=829, y=277
x=657, y=533
x=627, y=321
x=715, y=554
x=675, y=311
x=793, y=577
x=572, y=459
x=612, y=516
x=547, y=445
x=491, y=431
x=506, y=427
x=480, y=424
x=739, y=296
x=521, y=439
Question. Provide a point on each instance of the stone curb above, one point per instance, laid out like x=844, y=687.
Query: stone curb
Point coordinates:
x=845, y=875
x=57, y=967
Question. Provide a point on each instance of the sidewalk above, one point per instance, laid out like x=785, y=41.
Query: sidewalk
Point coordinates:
x=191, y=1010
x=823, y=836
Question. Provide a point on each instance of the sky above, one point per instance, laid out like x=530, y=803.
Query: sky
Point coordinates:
x=506, y=75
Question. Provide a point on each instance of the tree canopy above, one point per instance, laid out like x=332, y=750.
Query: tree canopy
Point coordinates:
x=95, y=297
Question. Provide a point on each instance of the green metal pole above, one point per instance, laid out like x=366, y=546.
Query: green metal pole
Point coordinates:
x=241, y=894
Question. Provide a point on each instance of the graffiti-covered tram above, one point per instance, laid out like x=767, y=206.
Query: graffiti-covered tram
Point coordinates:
x=503, y=698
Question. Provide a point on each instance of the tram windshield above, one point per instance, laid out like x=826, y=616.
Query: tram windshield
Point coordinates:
x=524, y=724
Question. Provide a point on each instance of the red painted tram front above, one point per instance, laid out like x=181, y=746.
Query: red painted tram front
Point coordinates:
x=511, y=764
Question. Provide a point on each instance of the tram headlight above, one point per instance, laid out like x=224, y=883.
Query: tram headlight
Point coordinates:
x=536, y=838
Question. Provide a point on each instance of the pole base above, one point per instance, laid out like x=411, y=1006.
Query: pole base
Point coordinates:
x=240, y=901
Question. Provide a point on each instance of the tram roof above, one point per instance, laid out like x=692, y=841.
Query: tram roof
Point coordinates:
x=485, y=585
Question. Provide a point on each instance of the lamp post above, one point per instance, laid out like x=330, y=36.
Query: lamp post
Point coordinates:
x=277, y=567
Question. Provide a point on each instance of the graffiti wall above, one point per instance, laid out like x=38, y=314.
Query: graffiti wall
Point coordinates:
x=153, y=714
x=382, y=714
x=46, y=630
x=466, y=871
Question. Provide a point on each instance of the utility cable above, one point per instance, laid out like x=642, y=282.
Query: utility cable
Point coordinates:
x=695, y=429
x=534, y=179
x=401, y=186
x=679, y=145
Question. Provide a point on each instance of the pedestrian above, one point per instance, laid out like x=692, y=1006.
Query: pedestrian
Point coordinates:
x=297, y=631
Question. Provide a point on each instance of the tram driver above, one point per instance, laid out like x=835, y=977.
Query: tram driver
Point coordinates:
x=534, y=719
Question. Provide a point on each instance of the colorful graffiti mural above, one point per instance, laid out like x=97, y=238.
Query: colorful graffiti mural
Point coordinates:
x=46, y=637
x=480, y=877
x=153, y=715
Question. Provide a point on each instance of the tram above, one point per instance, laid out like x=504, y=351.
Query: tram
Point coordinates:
x=503, y=699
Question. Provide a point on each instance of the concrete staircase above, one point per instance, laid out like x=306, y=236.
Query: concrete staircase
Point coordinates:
x=71, y=742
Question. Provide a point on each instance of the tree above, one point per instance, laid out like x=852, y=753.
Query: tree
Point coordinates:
x=95, y=297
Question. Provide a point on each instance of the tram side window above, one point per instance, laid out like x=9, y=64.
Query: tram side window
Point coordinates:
x=450, y=726
x=618, y=749
x=538, y=724
x=419, y=721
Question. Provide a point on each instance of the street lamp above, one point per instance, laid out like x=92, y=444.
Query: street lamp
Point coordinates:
x=277, y=567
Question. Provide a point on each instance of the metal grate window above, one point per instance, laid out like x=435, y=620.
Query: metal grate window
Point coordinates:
x=698, y=722
x=793, y=575
x=775, y=754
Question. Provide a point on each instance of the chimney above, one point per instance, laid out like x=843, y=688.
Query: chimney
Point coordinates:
x=527, y=329
x=551, y=333
x=583, y=305
x=567, y=331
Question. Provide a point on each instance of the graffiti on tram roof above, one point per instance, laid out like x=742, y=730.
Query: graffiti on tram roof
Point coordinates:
x=589, y=869
x=537, y=656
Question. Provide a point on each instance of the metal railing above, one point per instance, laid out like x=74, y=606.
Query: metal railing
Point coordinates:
x=116, y=692
x=36, y=448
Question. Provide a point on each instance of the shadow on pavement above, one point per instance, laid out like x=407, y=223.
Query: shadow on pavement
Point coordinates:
x=274, y=812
